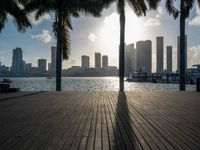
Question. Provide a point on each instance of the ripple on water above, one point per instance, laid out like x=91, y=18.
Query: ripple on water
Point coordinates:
x=90, y=84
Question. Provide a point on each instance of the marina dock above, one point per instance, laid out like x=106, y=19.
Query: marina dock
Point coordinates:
x=100, y=120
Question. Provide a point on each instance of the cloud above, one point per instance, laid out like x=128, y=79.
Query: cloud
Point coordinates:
x=36, y=58
x=82, y=36
x=155, y=21
x=92, y=37
x=194, y=55
x=160, y=12
x=43, y=18
x=196, y=20
x=152, y=22
x=45, y=36
x=71, y=62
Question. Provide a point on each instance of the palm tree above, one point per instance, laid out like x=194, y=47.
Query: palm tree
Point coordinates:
x=12, y=8
x=140, y=8
x=64, y=10
x=185, y=7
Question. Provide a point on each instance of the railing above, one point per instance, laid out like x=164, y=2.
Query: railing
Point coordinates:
x=198, y=84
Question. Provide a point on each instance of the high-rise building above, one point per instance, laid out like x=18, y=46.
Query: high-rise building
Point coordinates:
x=85, y=61
x=178, y=53
x=17, y=60
x=49, y=66
x=27, y=67
x=144, y=56
x=97, y=60
x=169, y=59
x=130, y=59
x=159, y=54
x=23, y=66
x=104, y=61
x=53, y=59
x=3, y=69
x=42, y=65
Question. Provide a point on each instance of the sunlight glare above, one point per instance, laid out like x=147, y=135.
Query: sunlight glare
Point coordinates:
x=110, y=32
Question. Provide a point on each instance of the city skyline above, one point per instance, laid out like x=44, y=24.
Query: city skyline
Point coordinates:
x=137, y=58
x=132, y=62
x=92, y=35
x=21, y=68
x=18, y=65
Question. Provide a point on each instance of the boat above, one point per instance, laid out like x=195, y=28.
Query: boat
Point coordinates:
x=6, y=81
x=49, y=77
x=137, y=77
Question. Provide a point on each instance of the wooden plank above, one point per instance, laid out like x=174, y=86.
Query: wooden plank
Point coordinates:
x=91, y=138
x=13, y=137
x=100, y=120
x=113, y=145
x=70, y=136
x=104, y=126
x=115, y=124
x=164, y=125
x=44, y=129
x=134, y=130
x=98, y=126
x=54, y=139
x=86, y=119
x=85, y=136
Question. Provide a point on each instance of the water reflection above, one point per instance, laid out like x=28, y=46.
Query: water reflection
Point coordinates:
x=90, y=84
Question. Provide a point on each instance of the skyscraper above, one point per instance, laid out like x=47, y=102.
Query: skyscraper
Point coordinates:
x=97, y=60
x=159, y=54
x=17, y=60
x=49, y=66
x=144, y=56
x=27, y=67
x=169, y=59
x=23, y=65
x=104, y=61
x=130, y=59
x=42, y=65
x=178, y=53
x=85, y=61
x=53, y=59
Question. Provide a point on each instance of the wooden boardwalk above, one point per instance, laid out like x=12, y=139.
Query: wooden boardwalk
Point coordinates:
x=100, y=120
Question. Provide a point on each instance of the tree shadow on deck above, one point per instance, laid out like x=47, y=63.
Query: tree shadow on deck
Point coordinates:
x=125, y=137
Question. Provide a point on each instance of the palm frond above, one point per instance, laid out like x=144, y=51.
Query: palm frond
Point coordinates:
x=3, y=19
x=171, y=9
x=139, y=7
x=21, y=20
x=19, y=15
x=153, y=4
x=87, y=7
x=188, y=6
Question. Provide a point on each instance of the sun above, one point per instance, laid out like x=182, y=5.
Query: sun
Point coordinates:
x=110, y=31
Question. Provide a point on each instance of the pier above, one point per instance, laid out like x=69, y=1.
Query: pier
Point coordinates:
x=100, y=120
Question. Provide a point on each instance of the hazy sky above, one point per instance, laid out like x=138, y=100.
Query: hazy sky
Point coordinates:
x=101, y=34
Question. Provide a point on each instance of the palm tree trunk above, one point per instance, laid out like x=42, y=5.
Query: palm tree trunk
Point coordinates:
x=182, y=48
x=58, y=53
x=121, y=50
